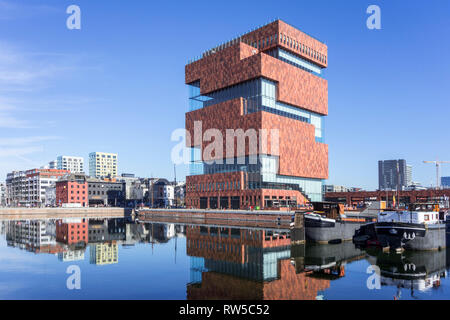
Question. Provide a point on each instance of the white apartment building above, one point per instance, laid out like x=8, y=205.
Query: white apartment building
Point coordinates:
x=168, y=195
x=103, y=164
x=70, y=163
x=30, y=188
x=2, y=194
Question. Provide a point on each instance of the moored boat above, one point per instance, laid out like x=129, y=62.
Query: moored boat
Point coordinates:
x=420, y=228
x=328, y=223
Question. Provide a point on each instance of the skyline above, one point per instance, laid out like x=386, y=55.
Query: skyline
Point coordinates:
x=54, y=81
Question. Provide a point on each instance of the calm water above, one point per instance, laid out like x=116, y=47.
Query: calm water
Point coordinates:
x=120, y=259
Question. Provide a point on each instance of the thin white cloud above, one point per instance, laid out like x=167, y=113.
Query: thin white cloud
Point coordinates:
x=25, y=140
x=28, y=71
x=17, y=152
x=10, y=122
x=10, y=10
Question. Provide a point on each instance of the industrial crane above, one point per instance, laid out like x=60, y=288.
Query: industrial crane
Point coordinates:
x=438, y=165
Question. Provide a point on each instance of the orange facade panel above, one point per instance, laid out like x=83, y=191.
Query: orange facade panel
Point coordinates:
x=242, y=62
x=299, y=154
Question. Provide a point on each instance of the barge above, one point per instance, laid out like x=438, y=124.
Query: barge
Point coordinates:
x=328, y=223
x=420, y=228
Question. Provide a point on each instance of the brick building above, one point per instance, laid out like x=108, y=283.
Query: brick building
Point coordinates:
x=72, y=189
x=268, y=86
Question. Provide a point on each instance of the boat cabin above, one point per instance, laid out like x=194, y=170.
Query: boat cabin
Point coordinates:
x=331, y=210
x=414, y=217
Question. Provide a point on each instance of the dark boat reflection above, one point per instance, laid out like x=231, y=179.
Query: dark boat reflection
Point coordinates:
x=417, y=271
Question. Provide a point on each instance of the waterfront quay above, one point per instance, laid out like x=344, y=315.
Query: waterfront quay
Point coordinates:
x=238, y=218
x=49, y=213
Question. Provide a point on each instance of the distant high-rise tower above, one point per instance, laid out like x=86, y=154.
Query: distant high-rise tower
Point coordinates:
x=393, y=174
x=103, y=164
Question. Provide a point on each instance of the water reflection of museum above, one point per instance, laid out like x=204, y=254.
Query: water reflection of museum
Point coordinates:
x=231, y=263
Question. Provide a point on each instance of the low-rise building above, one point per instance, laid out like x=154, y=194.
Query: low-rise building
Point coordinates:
x=28, y=188
x=162, y=193
x=180, y=191
x=2, y=194
x=50, y=195
x=333, y=188
x=72, y=189
x=105, y=192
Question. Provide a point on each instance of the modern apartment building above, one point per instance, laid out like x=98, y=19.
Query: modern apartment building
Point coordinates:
x=70, y=163
x=29, y=188
x=267, y=85
x=103, y=164
x=393, y=174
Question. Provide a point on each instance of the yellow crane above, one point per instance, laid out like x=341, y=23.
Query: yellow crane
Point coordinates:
x=438, y=165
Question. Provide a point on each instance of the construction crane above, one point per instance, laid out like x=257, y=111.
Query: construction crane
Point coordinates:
x=438, y=165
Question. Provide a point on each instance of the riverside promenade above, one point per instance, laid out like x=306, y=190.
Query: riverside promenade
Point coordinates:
x=49, y=213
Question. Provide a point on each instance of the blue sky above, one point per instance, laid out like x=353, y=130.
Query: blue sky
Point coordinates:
x=117, y=85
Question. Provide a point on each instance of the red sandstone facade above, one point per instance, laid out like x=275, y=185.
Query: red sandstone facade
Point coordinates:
x=299, y=154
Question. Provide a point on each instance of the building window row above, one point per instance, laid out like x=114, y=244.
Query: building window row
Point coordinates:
x=214, y=186
x=289, y=42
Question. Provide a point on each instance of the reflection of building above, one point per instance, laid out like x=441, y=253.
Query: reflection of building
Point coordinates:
x=71, y=255
x=230, y=263
x=32, y=235
x=266, y=87
x=104, y=253
x=72, y=231
x=102, y=164
x=104, y=230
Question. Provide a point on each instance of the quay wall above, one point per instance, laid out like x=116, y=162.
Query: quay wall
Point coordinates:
x=238, y=215
x=48, y=213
